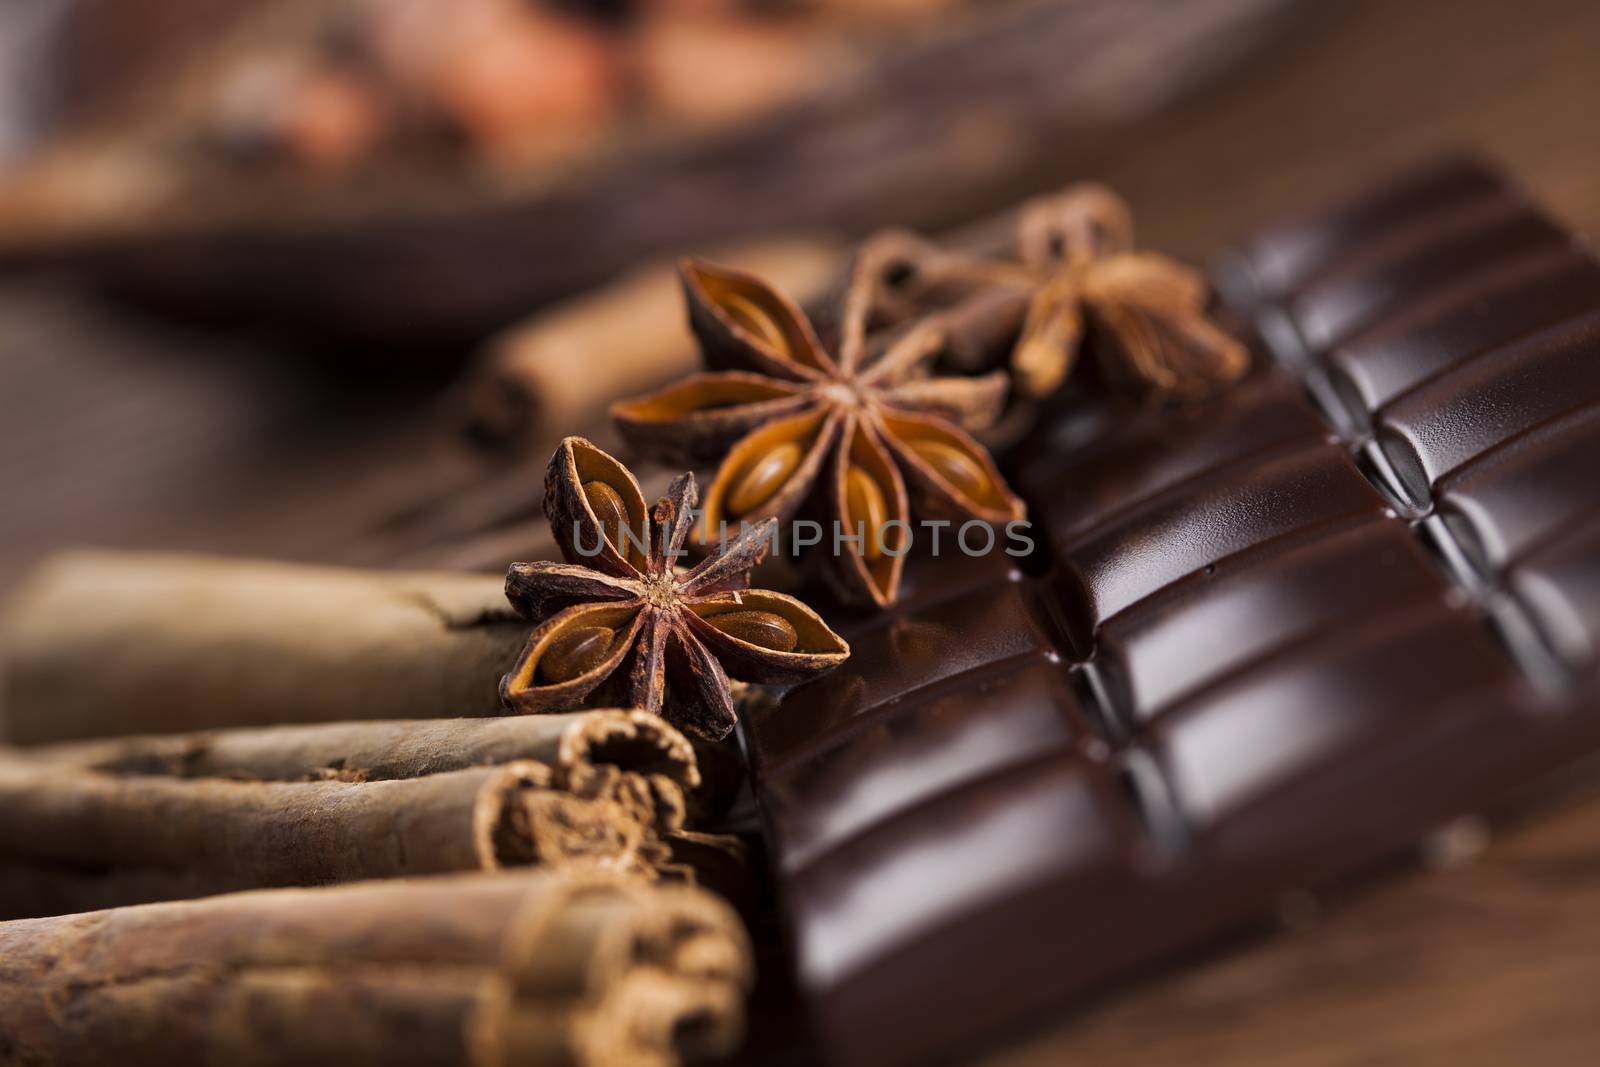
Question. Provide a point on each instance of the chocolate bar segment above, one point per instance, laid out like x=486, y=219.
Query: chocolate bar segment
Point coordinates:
x=1382, y=282
x=1469, y=409
x=951, y=916
x=1210, y=625
x=1156, y=450
x=1561, y=584
x=1273, y=265
x=933, y=641
x=1479, y=314
x=1505, y=501
x=1223, y=513
x=1266, y=641
x=1320, y=704
x=920, y=750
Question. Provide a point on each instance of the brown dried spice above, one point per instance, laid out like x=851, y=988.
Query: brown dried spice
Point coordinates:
x=1077, y=273
x=619, y=617
x=786, y=409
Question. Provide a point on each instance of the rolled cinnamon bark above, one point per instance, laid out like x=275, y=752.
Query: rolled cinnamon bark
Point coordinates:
x=119, y=835
x=564, y=366
x=476, y=970
x=357, y=751
x=107, y=824
x=628, y=756
x=103, y=643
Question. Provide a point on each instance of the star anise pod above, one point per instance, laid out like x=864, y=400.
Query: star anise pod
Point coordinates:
x=1076, y=273
x=620, y=616
x=804, y=412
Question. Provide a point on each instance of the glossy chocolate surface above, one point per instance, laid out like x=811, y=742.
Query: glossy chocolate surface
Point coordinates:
x=1273, y=639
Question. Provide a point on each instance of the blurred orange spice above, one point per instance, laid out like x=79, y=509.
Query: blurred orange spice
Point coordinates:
x=527, y=82
x=710, y=70
x=331, y=119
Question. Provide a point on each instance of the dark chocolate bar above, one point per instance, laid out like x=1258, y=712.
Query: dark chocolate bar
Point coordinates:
x=1275, y=639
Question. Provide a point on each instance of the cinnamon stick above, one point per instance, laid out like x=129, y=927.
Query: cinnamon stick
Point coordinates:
x=211, y=836
x=477, y=970
x=564, y=366
x=627, y=756
x=109, y=824
x=101, y=643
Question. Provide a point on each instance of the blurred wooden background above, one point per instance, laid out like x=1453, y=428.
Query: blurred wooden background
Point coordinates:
x=116, y=429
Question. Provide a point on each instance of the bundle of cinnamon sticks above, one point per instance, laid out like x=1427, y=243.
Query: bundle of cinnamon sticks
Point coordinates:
x=276, y=888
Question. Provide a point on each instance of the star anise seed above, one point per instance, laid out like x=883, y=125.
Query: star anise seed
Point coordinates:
x=620, y=618
x=1076, y=273
x=800, y=411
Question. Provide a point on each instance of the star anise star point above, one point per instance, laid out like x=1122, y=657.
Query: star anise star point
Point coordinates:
x=792, y=407
x=621, y=617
